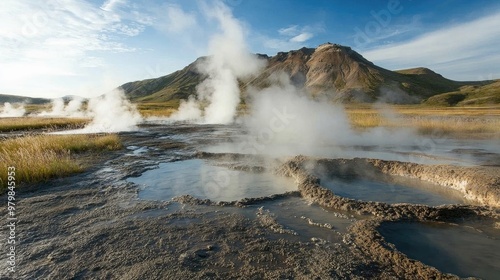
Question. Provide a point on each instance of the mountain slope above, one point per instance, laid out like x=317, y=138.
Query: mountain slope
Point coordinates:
x=330, y=71
x=485, y=94
x=22, y=99
x=178, y=85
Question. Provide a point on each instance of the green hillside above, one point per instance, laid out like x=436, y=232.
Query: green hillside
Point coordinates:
x=330, y=71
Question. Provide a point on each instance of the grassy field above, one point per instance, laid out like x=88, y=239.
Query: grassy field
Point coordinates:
x=42, y=157
x=163, y=109
x=32, y=123
x=457, y=121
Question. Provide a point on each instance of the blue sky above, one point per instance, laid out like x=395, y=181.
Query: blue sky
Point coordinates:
x=64, y=47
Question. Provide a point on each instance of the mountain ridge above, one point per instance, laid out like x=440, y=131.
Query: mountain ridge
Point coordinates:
x=22, y=99
x=330, y=71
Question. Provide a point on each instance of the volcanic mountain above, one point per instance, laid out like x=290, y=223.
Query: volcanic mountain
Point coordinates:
x=330, y=71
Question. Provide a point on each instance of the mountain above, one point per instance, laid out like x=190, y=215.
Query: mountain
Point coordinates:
x=489, y=93
x=178, y=85
x=330, y=71
x=22, y=99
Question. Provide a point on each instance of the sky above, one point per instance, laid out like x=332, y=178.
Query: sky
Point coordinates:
x=56, y=48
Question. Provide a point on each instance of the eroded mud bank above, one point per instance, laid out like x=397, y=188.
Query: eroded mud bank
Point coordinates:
x=364, y=233
x=479, y=184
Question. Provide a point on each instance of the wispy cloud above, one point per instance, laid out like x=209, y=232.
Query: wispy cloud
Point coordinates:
x=54, y=38
x=50, y=48
x=110, y=5
x=302, y=37
x=290, y=37
x=455, y=51
x=367, y=36
x=289, y=31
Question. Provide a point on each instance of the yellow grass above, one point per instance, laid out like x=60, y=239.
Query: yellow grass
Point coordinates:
x=31, y=123
x=39, y=158
x=460, y=120
x=464, y=121
x=160, y=109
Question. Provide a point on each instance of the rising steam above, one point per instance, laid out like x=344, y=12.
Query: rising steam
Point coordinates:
x=284, y=120
x=59, y=109
x=229, y=60
x=10, y=111
x=112, y=112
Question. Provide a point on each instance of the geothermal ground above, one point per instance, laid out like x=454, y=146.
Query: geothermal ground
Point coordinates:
x=183, y=201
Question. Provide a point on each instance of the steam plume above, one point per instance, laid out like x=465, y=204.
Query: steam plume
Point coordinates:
x=112, y=112
x=9, y=111
x=229, y=60
x=284, y=120
x=73, y=109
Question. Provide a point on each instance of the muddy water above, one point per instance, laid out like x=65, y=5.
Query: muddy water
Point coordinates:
x=457, y=249
x=201, y=179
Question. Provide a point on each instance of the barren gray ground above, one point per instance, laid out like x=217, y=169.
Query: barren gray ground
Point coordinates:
x=94, y=226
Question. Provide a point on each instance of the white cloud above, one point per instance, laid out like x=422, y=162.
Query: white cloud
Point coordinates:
x=110, y=5
x=50, y=39
x=456, y=51
x=302, y=37
x=289, y=31
x=290, y=37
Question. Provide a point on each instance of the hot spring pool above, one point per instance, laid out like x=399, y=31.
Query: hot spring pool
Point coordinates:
x=457, y=249
x=403, y=190
x=202, y=180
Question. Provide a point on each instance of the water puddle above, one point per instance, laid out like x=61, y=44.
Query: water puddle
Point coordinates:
x=300, y=220
x=308, y=221
x=458, y=249
x=398, y=190
x=202, y=180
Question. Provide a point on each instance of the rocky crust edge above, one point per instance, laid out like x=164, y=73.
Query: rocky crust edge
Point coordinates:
x=475, y=182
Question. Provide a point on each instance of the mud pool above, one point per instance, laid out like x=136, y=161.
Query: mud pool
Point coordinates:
x=184, y=201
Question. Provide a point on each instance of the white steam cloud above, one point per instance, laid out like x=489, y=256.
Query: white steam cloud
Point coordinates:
x=10, y=111
x=59, y=109
x=188, y=111
x=112, y=112
x=229, y=60
x=284, y=120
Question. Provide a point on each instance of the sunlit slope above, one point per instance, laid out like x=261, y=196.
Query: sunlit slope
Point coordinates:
x=331, y=71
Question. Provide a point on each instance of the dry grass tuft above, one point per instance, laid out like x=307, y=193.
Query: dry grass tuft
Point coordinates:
x=32, y=123
x=42, y=157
